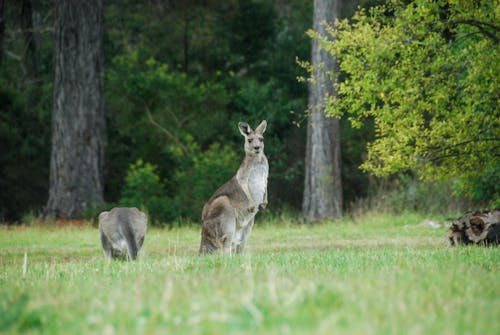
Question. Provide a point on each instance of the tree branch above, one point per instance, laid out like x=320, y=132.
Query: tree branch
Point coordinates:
x=13, y=55
x=169, y=134
x=455, y=152
x=482, y=28
x=440, y=153
x=451, y=146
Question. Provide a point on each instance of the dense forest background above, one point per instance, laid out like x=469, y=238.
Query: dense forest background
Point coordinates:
x=178, y=76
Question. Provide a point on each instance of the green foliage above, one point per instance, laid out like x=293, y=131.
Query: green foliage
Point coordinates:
x=405, y=193
x=485, y=188
x=198, y=176
x=252, y=30
x=144, y=189
x=138, y=84
x=356, y=183
x=428, y=74
x=25, y=149
x=151, y=108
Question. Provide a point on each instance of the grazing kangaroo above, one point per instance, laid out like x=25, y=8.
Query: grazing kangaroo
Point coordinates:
x=122, y=232
x=228, y=217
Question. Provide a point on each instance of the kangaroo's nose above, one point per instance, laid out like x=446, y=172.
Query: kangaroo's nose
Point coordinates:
x=256, y=147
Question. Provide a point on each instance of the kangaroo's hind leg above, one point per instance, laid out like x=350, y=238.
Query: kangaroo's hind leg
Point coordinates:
x=208, y=243
x=245, y=233
x=106, y=245
x=217, y=234
x=228, y=229
x=218, y=227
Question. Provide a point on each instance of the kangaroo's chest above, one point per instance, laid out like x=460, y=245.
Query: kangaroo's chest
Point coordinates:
x=257, y=182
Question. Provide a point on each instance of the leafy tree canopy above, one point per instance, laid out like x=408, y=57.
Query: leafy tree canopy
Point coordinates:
x=427, y=73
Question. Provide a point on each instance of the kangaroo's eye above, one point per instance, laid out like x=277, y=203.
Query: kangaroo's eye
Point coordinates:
x=261, y=139
x=250, y=140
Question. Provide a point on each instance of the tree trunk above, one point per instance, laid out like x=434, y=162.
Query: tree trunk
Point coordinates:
x=481, y=228
x=2, y=27
x=185, y=43
x=78, y=123
x=322, y=187
x=29, y=55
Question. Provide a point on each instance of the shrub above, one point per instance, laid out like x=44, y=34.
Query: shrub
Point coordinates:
x=198, y=176
x=483, y=188
x=144, y=189
x=405, y=193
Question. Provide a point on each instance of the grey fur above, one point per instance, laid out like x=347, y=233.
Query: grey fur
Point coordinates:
x=228, y=216
x=122, y=231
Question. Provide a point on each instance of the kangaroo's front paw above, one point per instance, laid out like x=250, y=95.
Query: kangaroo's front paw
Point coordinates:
x=263, y=205
x=251, y=210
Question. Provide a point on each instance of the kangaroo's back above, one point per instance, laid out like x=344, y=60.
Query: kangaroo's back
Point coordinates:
x=122, y=231
x=234, y=193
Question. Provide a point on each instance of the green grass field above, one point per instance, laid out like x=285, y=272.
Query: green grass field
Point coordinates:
x=377, y=275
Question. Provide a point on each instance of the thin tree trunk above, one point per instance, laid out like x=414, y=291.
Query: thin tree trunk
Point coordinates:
x=2, y=27
x=322, y=187
x=29, y=54
x=185, y=42
x=78, y=123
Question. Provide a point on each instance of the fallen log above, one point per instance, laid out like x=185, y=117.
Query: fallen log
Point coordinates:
x=481, y=228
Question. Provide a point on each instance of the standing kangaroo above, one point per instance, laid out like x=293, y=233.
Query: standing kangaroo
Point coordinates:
x=122, y=232
x=228, y=216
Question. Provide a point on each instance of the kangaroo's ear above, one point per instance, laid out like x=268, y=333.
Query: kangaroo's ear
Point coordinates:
x=245, y=129
x=261, y=128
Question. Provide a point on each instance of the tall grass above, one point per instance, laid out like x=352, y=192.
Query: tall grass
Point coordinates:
x=383, y=274
x=405, y=193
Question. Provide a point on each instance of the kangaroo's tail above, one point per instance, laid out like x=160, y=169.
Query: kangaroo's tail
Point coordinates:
x=131, y=243
x=208, y=243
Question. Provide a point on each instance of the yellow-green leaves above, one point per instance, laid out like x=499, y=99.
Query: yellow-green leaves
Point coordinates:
x=428, y=73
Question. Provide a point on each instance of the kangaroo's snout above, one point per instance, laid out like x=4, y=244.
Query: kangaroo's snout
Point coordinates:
x=254, y=149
